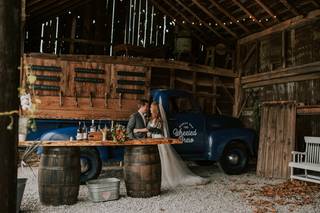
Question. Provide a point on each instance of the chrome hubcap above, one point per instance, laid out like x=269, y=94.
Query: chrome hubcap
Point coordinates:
x=233, y=159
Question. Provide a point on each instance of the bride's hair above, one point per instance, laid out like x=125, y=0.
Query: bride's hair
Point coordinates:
x=155, y=112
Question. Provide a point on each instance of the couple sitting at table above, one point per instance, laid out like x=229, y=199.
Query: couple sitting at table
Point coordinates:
x=174, y=171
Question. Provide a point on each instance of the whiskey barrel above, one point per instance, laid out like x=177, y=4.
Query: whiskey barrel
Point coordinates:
x=142, y=171
x=59, y=175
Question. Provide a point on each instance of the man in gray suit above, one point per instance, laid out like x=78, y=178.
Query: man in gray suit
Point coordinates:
x=137, y=124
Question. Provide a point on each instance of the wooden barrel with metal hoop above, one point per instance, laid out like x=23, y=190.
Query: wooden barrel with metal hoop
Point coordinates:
x=59, y=175
x=142, y=171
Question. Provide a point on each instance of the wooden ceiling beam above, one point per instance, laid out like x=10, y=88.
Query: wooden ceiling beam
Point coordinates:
x=244, y=9
x=57, y=10
x=267, y=9
x=33, y=2
x=287, y=24
x=184, y=17
x=199, y=19
x=164, y=11
x=205, y=10
x=231, y=17
x=45, y=5
x=316, y=3
x=290, y=6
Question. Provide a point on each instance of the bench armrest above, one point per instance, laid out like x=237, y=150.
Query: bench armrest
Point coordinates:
x=298, y=157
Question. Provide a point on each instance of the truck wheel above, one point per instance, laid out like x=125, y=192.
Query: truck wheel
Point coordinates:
x=90, y=164
x=234, y=159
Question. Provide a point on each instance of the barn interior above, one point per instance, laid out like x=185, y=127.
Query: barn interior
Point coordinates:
x=251, y=59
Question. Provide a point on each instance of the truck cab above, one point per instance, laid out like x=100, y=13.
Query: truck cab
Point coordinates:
x=206, y=138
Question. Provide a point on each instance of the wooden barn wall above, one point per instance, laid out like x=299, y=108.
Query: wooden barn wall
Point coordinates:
x=301, y=44
x=289, y=48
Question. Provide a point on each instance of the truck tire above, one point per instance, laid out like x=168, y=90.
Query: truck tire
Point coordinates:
x=90, y=164
x=204, y=162
x=234, y=159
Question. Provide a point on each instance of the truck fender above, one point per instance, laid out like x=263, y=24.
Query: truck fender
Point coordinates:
x=219, y=139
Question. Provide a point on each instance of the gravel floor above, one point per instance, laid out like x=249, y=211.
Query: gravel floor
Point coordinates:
x=224, y=194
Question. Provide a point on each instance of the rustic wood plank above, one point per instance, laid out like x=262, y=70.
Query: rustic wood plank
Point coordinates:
x=200, y=20
x=282, y=72
x=206, y=11
x=229, y=15
x=262, y=132
x=244, y=9
x=305, y=77
x=267, y=9
x=148, y=141
x=281, y=131
x=290, y=6
x=140, y=61
x=282, y=26
x=308, y=110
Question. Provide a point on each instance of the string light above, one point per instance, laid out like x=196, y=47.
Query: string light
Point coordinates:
x=183, y=22
x=200, y=24
x=192, y=23
x=209, y=23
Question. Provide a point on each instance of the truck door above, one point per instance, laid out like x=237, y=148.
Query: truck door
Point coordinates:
x=187, y=124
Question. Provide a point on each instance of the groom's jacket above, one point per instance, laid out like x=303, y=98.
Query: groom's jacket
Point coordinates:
x=135, y=122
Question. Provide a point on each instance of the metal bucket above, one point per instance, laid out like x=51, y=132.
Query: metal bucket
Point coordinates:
x=21, y=184
x=103, y=189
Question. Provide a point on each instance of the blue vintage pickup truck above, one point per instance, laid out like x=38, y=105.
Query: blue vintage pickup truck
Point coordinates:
x=206, y=138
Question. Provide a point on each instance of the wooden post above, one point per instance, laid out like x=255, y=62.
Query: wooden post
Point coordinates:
x=172, y=79
x=284, y=49
x=73, y=34
x=9, y=83
x=237, y=97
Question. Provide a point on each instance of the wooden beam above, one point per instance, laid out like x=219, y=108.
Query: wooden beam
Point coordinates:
x=140, y=61
x=219, y=7
x=293, y=74
x=244, y=9
x=282, y=26
x=73, y=34
x=205, y=10
x=272, y=14
x=308, y=110
x=184, y=17
x=200, y=20
x=10, y=37
x=164, y=11
x=249, y=54
x=56, y=10
x=290, y=6
x=282, y=73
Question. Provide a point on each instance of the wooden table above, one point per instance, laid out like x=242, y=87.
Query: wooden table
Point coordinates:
x=136, y=142
x=142, y=168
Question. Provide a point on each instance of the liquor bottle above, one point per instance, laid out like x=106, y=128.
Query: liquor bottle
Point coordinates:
x=85, y=132
x=92, y=127
x=79, y=135
x=99, y=126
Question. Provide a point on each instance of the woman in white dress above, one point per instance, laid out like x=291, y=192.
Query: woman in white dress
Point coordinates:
x=174, y=171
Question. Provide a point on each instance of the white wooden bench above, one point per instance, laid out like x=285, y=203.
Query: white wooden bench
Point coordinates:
x=308, y=161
